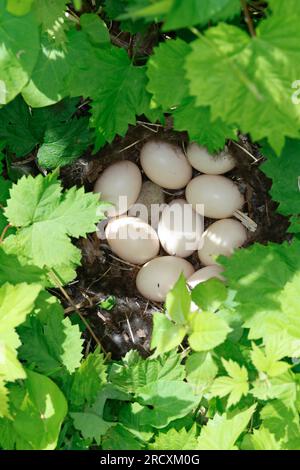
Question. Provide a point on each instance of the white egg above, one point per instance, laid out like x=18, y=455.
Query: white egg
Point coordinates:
x=119, y=184
x=204, y=274
x=165, y=164
x=180, y=229
x=159, y=275
x=214, y=196
x=221, y=238
x=203, y=161
x=132, y=239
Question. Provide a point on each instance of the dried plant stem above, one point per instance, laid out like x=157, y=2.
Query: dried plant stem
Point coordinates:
x=246, y=221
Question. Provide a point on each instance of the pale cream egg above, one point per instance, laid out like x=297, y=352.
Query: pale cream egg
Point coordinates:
x=221, y=238
x=165, y=164
x=203, y=161
x=157, y=277
x=132, y=239
x=119, y=184
x=204, y=274
x=180, y=229
x=214, y=196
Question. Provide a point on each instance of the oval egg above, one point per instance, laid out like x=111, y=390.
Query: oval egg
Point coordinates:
x=221, y=238
x=165, y=164
x=214, y=196
x=204, y=274
x=132, y=239
x=180, y=229
x=119, y=184
x=159, y=275
x=203, y=161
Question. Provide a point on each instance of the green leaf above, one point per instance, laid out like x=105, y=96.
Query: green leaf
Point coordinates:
x=268, y=361
x=261, y=439
x=236, y=385
x=166, y=73
x=134, y=373
x=165, y=336
x=121, y=88
x=178, y=302
x=210, y=295
x=281, y=387
x=64, y=143
x=20, y=45
x=50, y=14
x=40, y=413
x=285, y=172
x=200, y=12
x=198, y=123
x=19, y=7
x=49, y=218
x=47, y=83
x=95, y=28
x=175, y=440
x=222, y=432
x=207, y=331
x=49, y=339
x=282, y=421
x=226, y=57
x=88, y=380
x=119, y=438
x=12, y=271
x=157, y=397
x=201, y=370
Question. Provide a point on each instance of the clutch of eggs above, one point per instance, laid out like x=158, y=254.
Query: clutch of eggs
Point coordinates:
x=178, y=226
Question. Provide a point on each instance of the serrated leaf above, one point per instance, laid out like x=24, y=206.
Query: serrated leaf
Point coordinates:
x=50, y=14
x=175, y=440
x=221, y=432
x=268, y=361
x=200, y=12
x=91, y=425
x=236, y=385
x=285, y=172
x=282, y=387
x=281, y=420
x=95, y=28
x=226, y=56
x=207, y=331
x=201, y=370
x=49, y=218
x=166, y=336
x=20, y=45
x=261, y=439
x=119, y=438
x=12, y=271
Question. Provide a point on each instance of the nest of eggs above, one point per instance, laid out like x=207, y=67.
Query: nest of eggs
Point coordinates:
x=127, y=325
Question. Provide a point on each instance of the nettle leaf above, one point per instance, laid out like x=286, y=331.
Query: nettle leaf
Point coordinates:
x=49, y=218
x=207, y=331
x=88, y=380
x=121, y=89
x=236, y=385
x=227, y=57
x=200, y=12
x=49, y=340
x=260, y=275
x=38, y=415
x=166, y=335
x=64, y=143
x=175, y=440
x=198, y=123
x=285, y=173
x=222, y=432
x=20, y=44
x=134, y=372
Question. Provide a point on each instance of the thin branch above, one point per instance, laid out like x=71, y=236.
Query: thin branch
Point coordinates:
x=4, y=232
x=248, y=18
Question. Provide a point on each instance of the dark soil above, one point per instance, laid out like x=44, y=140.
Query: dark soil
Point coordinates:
x=128, y=325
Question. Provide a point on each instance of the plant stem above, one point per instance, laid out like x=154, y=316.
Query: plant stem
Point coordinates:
x=4, y=232
x=248, y=18
x=68, y=298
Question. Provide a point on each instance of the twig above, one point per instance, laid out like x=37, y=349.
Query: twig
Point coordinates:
x=56, y=280
x=245, y=150
x=4, y=232
x=246, y=221
x=248, y=18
